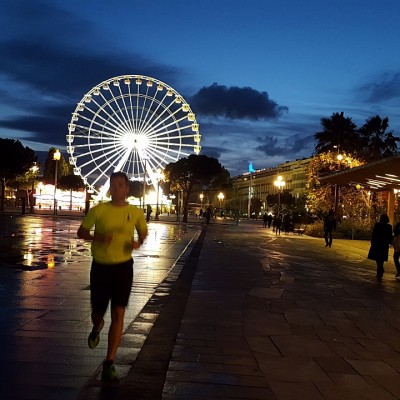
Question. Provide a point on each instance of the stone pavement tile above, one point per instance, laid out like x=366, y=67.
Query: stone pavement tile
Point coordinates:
x=316, y=305
x=301, y=346
x=331, y=334
x=392, y=341
x=390, y=383
x=193, y=390
x=265, y=292
x=258, y=323
x=334, y=317
x=350, y=387
x=220, y=378
x=351, y=330
x=282, y=305
x=352, y=350
x=393, y=361
x=263, y=345
x=291, y=369
x=310, y=330
x=35, y=392
x=372, y=368
x=303, y=317
x=250, y=393
x=334, y=364
x=295, y=391
x=377, y=347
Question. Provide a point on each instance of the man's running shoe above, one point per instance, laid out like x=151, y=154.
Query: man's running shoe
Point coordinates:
x=109, y=375
x=94, y=337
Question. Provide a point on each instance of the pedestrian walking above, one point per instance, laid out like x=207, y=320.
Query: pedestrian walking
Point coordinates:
x=111, y=274
x=329, y=228
x=380, y=242
x=278, y=225
x=396, y=249
x=286, y=224
x=265, y=220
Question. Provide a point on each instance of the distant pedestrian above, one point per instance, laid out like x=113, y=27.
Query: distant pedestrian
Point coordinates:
x=265, y=220
x=396, y=249
x=286, y=224
x=111, y=274
x=269, y=220
x=329, y=228
x=278, y=225
x=149, y=210
x=380, y=242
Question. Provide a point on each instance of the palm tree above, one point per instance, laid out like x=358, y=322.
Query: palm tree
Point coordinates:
x=376, y=141
x=338, y=132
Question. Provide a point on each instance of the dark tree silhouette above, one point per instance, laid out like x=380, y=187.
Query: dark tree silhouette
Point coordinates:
x=193, y=172
x=15, y=159
x=377, y=141
x=338, y=133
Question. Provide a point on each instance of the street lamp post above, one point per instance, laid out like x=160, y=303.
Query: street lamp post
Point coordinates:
x=159, y=178
x=279, y=183
x=201, y=200
x=221, y=198
x=40, y=187
x=56, y=158
x=34, y=169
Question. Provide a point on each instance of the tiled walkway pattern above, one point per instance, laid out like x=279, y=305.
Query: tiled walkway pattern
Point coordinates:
x=285, y=318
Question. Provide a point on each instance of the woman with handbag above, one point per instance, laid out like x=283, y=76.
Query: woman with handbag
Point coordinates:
x=380, y=241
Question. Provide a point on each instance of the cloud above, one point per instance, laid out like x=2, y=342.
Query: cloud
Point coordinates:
x=385, y=87
x=210, y=151
x=289, y=147
x=236, y=103
x=44, y=73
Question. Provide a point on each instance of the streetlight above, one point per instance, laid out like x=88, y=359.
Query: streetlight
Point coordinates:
x=40, y=187
x=221, y=198
x=34, y=169
x=201, y=199
x=279, y=183
x=159, y=176
x=56, y=158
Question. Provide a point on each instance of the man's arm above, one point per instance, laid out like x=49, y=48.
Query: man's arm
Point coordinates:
x=84, y=233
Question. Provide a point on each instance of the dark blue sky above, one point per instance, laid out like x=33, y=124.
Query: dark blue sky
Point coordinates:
x=262, y=75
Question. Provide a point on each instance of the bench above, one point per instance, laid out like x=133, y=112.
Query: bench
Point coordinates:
x=300, y=229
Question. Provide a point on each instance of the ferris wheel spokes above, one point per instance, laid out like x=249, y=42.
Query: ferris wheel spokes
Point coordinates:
x=120, y=119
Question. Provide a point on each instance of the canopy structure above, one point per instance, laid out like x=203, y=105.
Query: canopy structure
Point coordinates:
x=382, y=175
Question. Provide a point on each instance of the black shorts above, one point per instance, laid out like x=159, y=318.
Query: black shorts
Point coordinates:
x=110, y=282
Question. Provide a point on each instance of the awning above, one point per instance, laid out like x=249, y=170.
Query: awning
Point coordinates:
x=382, y=175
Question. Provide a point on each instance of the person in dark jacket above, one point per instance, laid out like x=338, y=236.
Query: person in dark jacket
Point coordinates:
x=380, y=241
x=329, y=227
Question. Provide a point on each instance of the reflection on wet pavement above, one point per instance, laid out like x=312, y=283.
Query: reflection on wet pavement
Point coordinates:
x=34, y=243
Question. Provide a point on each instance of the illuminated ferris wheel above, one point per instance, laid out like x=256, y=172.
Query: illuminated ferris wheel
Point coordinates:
x=131, y=123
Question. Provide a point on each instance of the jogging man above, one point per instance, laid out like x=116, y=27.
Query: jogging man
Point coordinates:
x=111, y=274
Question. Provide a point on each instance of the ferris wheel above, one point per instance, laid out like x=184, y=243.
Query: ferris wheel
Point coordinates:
x=130, y=123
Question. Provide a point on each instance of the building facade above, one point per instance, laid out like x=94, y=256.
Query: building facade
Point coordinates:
x=260, y=184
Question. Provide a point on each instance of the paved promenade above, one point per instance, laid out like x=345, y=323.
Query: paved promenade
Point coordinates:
x=283, y=317
x=240, y=314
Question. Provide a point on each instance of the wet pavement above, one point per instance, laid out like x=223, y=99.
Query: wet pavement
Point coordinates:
x=283, y=317
x=230, y=312
x=45, y=304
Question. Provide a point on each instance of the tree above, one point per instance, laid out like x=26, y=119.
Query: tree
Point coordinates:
x=63, y=168
x=15, y=159
x=193, y=172
x=376, y=142
x=285, y=200
x=320, y=198
x=338, y=132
